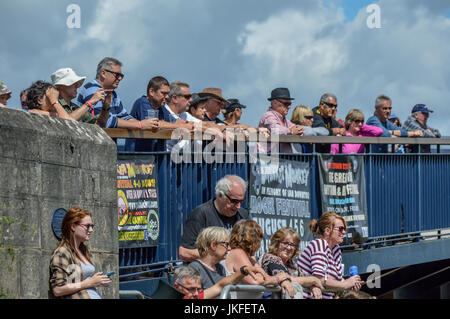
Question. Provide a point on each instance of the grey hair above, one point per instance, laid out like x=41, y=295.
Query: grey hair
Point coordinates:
x=106, y=64
x=223, y=186
x=185, y=271
x=175, y=89
x=380, y=98
x=324, y=97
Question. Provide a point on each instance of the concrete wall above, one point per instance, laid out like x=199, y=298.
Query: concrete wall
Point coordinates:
x=45, y=164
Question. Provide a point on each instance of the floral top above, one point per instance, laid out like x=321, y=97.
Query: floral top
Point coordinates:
x=273, y=265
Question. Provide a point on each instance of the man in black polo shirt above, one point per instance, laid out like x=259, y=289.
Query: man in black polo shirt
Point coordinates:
x=224, y=211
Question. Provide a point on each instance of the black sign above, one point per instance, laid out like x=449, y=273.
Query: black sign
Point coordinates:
x=137, y=203
x=344, y=192
x=280, y=197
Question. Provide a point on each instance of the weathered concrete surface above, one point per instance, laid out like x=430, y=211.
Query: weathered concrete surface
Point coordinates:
x=45, y=164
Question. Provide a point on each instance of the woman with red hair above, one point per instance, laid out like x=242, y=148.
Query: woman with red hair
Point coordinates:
x=72, y=273
x=323, y=258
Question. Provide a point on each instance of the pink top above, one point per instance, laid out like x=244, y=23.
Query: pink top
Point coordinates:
x=366, y=130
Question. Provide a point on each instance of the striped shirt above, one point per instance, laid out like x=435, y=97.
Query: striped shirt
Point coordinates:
x=319, y=260
x=117, y=110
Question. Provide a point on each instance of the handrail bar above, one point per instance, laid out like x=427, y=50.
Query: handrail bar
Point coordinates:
x=166, y=134
x=400, y=237
x=160, y=263
x=249, y=288
x=131, y=293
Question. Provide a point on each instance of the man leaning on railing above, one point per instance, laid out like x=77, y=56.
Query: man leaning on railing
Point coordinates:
x=418, y=121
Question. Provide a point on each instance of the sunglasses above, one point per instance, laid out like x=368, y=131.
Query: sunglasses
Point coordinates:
x=341, y=229
x=359, y=121
x=235, y=201
x=331, y=105
x=116, y=74
x=386, y=108
x=186, y=96
x=285, y=103
x=87, y=226
x=309, y=117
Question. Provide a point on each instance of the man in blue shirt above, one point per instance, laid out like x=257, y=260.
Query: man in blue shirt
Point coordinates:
x=151, y=106
x=109, y=75
x=380, y=118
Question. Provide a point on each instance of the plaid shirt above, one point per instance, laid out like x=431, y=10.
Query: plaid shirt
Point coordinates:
x=87, y=117
x=65, y=268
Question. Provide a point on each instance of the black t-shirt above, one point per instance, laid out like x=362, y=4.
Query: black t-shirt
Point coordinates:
x=206, y=215
x=328, y=123
x=209, y=277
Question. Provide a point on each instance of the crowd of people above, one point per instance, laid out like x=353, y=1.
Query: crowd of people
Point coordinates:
x=172, y=106
x=219, y=240
x=219, y=247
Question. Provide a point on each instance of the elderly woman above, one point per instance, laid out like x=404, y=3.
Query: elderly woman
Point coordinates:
x=303, y=115
x=43, y=98
x=354, y=124
x=245, y=240
x=213, y=244
x=72, y=273
x=283, y=249
x=322, y=257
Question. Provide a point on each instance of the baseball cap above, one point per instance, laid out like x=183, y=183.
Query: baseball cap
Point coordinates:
x=421, y=108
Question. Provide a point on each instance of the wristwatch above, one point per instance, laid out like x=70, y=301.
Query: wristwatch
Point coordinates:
x=243, y=271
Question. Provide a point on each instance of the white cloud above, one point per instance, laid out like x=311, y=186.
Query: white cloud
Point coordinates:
x=319, y=52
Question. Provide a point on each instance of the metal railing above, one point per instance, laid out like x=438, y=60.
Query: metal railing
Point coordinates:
x=225, y=294
x=130, y=294
x=406, y=193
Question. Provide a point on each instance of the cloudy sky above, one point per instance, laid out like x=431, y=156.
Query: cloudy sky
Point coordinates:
x=245, y=47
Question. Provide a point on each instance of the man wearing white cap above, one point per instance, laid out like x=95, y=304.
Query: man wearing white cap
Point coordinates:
x=67, y=82
x=5, y=94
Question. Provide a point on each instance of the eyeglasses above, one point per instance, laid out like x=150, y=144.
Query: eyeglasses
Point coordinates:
x=386, y=108
x=359, y=121
x=285, y=103
x=292, y=245
x=330, y=105
x=341, y=229
x=225, y=243
x=309, y=117
x=88, y=226
x=192, y=290
x=116, y=74
x=234, y=200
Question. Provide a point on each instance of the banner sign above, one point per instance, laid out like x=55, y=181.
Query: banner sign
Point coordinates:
x=280, y=197
x=343, y=191
x=137, y=202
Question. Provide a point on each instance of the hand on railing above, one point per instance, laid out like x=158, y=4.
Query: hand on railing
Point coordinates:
x=151, y=124
x=354, y=283
x=297, y=130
